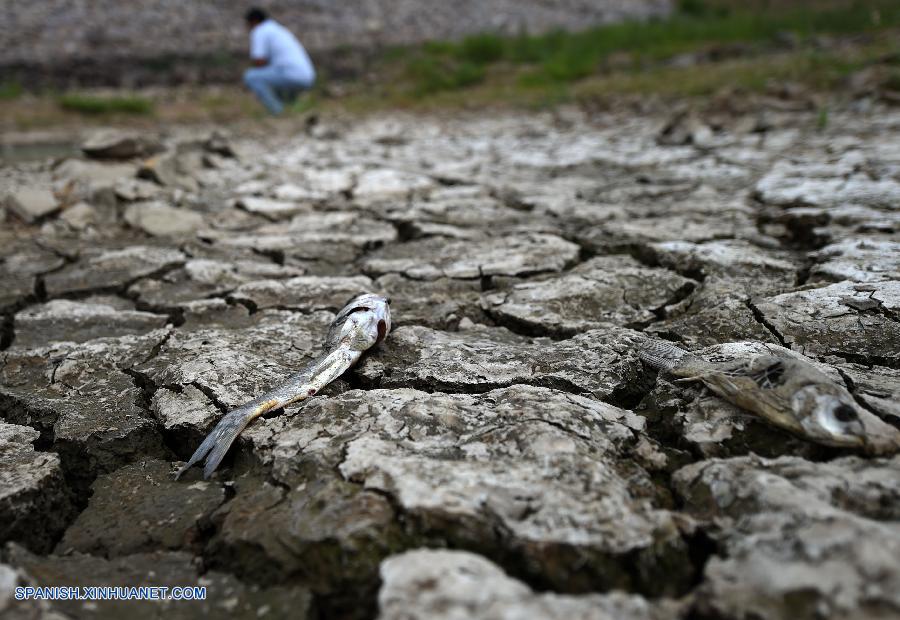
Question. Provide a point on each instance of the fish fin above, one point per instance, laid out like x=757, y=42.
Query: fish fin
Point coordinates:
x=722, y=385
x=692, y=378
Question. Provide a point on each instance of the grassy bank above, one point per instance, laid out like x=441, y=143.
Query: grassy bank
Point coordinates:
x=100, y=106
x=705, y=46
x=717, y=29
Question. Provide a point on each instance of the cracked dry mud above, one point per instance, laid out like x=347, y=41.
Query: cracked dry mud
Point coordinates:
x=504, y=453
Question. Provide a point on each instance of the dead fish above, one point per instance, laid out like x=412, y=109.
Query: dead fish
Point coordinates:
x=787, y=391
x=361, y=324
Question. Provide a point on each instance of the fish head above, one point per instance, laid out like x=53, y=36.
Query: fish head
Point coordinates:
x=828, y=413
x=381, y=308
x=365, y=319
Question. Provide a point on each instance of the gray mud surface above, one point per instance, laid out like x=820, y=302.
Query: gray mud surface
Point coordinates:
x=504, y=453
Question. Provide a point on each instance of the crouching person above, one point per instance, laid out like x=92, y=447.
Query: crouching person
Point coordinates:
x=281, y=67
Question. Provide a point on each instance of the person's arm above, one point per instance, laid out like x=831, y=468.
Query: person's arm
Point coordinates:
x=259, y=53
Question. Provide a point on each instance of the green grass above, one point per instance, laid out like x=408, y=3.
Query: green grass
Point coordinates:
x=306, y=102
x=96, y=106
x=481, y=49
x=821, y=71
x=563, y=57
x=430, y=75
x=701, y=8
x=10, y=90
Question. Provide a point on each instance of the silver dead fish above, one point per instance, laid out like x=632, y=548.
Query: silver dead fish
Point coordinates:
x=786, y=391
x=361, y=324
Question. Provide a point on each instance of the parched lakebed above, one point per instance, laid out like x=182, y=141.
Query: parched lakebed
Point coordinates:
x=504, y=453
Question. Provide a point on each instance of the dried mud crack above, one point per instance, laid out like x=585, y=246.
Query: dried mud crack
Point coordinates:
x=506, y=433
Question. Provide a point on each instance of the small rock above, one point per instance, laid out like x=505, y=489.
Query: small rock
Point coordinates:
x=19, y=271
x=218, y=143
x=201, y=278
x=115, y=144
x=514, y=255
x=94, y=175
x=462, y=216
x=858, y=259
x=839, y=320
x=437, y=584
x=833, y=184
x=329, y=181
x=79, y=216
x=441, y=304
x=609, y=289
x=167, y=169
x=617, y=236
x=131, y=190
x=381, y=184
x=31, y=204
x=202, y=313
x=272, y=209
x=727, y=258
x=35, y=502
x=327, y=243
x=76, y=321
x=109, y=268
x=160, y=220
x=291, y=192
x=305, y=293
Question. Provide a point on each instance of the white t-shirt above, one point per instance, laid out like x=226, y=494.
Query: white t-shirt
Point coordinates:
x=273, y=42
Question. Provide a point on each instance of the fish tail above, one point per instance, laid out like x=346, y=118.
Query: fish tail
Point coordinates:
x=662, y=355
x=216, y=444
x=320, y=372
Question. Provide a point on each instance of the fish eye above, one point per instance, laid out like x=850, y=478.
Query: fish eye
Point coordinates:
x=387, y=300
x=844, y=413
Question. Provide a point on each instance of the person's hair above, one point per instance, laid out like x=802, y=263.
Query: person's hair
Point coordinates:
x=255, y=15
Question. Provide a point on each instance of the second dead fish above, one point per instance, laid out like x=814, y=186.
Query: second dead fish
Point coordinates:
x=781, y=388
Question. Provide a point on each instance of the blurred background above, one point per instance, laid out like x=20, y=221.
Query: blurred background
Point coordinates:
x=65, y=62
